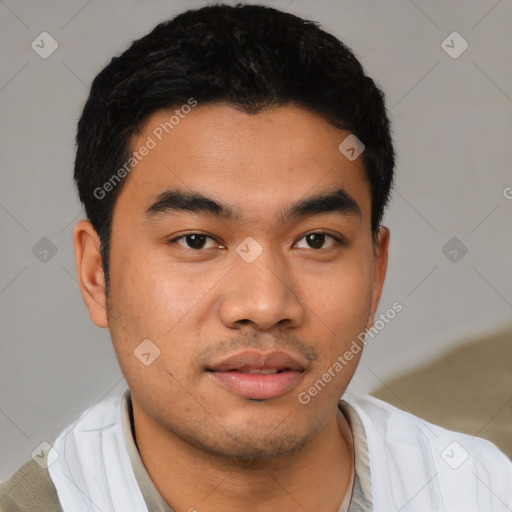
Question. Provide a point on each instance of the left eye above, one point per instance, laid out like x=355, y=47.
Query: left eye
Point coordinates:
x=317, y=239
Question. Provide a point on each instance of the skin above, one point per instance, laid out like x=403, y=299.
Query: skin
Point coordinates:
x=204, y=447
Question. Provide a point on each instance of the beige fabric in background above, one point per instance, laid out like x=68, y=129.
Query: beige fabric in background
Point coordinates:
x=468, y=390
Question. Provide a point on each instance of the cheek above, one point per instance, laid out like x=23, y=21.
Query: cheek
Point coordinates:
x=340, y=295
x=158, y=301
x=150, y=292
x=339, y=304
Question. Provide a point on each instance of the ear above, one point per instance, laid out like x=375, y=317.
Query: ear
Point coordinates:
x=380, y=264
x=90, y=272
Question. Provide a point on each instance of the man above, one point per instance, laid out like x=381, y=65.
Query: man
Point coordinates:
x=235, y=165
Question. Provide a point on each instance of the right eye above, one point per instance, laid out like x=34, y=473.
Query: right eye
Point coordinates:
x=193, y=241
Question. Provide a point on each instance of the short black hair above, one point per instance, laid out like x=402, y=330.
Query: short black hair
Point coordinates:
x=252, y=57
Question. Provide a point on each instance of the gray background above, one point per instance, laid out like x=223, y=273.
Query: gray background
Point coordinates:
x=452, y=125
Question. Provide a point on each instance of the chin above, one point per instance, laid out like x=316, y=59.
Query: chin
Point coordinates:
x=257, y=454
x=252, y=447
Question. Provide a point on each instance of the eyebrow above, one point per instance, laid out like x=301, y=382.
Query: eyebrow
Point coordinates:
x=175, y=200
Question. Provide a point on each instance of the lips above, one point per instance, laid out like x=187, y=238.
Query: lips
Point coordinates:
x=253, y=360
x=256, y=375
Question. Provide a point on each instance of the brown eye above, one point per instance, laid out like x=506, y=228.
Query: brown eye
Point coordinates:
x=195, y=241
x=317, y=239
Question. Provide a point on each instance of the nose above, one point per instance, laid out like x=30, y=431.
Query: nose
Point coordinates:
x=262, y=294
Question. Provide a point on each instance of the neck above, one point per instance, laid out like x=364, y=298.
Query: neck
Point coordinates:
x=315, y=478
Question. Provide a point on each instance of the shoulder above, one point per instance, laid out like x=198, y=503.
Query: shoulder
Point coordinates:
x=29, y=489
x=397, y=427
x=459, y=465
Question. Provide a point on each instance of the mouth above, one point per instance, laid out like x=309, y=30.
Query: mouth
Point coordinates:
x=258, y=376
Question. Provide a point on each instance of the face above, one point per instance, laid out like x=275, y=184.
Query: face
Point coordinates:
x=228, y=256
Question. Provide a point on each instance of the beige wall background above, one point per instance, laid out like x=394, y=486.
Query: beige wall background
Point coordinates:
x=450, y=217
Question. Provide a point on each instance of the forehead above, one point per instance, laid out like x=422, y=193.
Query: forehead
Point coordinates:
x=257, y=163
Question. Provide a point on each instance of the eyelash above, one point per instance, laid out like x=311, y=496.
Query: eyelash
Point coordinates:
x=338, y=240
